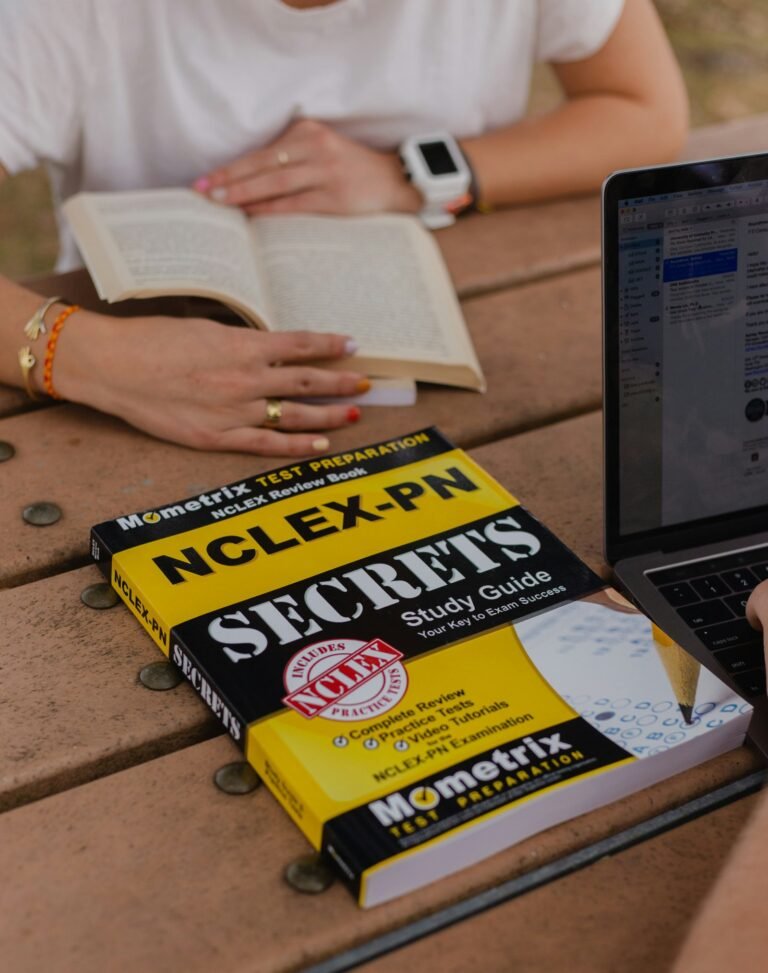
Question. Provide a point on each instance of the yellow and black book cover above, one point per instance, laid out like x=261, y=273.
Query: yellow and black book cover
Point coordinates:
x=419, y=670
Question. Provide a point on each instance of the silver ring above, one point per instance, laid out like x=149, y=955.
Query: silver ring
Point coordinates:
x=274, y=412
x=282, y=158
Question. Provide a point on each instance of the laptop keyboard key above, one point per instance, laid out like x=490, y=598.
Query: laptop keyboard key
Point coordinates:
x=751, y=683
x=741, y=580
x=760, y=570
x=679, y=594
x=743, y=658
x=737, y=603
x=705, y=613
x=710, y=587
x=737, y=632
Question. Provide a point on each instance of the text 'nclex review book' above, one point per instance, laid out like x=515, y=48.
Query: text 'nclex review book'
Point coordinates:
x=421, y=673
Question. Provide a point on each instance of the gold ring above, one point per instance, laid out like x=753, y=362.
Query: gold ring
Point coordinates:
x=282, y=158
x=274, y=412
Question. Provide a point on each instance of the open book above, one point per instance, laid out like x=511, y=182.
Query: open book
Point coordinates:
x=379, y=279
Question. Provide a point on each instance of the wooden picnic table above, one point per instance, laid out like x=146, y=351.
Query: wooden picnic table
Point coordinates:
x=118, y=852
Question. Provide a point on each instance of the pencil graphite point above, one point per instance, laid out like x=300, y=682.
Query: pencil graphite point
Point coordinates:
x=682, y=671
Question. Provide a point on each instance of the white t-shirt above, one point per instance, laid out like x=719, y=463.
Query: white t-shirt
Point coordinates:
x=126, y=94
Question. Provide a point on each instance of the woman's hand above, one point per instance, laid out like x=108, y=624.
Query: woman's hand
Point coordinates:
x=310, y=168
x=757, y=611
x=202, y=384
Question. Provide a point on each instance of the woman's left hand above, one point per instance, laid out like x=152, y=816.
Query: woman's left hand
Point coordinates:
x=310, y=168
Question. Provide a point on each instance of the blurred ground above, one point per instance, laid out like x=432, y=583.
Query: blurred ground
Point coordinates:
x=722, y=46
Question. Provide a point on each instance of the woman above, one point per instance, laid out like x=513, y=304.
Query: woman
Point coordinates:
x=283, y=106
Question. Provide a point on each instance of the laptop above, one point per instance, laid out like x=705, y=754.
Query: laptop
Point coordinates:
x=685, y=317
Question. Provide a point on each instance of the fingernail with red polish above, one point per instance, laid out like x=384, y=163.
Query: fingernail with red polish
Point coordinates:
x=202, y=185
x=353, y=413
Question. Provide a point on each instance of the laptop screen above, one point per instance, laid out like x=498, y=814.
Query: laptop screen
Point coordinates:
x=687, y=345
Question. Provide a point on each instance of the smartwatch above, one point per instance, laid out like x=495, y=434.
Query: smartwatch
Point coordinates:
x=437, y=167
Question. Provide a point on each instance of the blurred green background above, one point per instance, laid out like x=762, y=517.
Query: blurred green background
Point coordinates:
x=722, y=46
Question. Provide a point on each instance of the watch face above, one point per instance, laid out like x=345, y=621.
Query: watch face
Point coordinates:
x=438, y=158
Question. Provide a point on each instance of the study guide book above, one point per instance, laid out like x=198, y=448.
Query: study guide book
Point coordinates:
x=421, y=673
x=379, y=279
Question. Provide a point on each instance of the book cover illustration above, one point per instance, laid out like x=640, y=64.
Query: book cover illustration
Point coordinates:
x=605, y=664
x=419, y=670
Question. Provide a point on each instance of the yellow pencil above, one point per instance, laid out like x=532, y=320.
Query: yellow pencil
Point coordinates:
x=682, y=671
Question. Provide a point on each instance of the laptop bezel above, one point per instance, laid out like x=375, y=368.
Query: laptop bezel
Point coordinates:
x=633, y=184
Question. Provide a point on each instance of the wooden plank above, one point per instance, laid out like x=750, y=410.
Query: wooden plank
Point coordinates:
x=730, y=930
x=627, y=912
x=71, y=708
x=95, y=467
x=740, y=136
x=71, y=704
x=514, y=246
x=153, y=868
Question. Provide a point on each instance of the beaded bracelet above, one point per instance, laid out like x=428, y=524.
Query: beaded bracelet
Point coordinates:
x=50, y=350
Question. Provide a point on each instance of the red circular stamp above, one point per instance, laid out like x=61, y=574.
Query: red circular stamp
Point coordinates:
x=345, y=679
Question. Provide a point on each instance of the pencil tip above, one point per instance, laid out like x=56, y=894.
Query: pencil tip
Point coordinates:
x=687, y=712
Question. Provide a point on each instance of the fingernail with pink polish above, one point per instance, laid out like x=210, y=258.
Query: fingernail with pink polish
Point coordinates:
x=350, y=347
x=202, y=185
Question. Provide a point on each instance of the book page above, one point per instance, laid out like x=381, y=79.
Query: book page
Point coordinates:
x=379, y=279
x=166, y=242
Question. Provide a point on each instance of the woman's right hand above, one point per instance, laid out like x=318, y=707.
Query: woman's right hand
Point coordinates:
x=202, y=384
x=757, y=611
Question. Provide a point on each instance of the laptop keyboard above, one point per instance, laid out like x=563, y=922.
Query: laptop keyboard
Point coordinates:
x=710, y=596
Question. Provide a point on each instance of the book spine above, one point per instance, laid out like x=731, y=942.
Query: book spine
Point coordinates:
x=209, y=691
x=101, y=552
x=130, y=592
x=166, y=640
